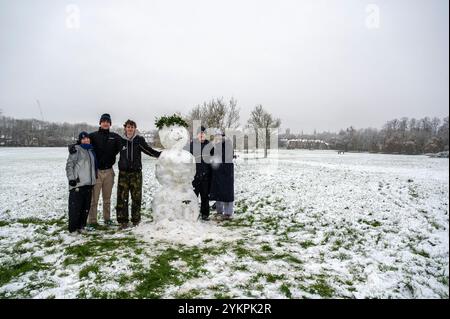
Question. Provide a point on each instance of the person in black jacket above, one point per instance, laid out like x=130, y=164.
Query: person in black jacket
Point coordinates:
x=222, y=177
x=106, y=146
x=130, y=174
x=201, y=150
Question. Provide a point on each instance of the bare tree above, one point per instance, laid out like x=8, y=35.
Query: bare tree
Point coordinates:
x=262, y=122
x=216, y=114
x=232, y=117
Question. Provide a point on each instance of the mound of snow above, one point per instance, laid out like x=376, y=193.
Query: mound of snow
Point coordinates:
x=184, y=232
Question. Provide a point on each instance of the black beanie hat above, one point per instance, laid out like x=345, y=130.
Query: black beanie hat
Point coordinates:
x=201, y=129
x=105, y=117
x=81, y=136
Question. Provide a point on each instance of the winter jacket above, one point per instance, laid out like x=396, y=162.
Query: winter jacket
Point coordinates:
x=222, y=178
x=80, y=167
x=130, y=153
x=202, y=159
x=106, y=146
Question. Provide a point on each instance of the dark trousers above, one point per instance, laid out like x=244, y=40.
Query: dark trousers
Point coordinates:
x=79, y=205
x=129, y=183
x=202, y=187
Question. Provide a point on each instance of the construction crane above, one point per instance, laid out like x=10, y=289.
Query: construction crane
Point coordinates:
x=40, y=110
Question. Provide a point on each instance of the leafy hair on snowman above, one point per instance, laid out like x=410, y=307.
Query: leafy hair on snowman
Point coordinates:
x=169, y=121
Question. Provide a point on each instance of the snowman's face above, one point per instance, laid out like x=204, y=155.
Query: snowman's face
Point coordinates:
x=174, y=136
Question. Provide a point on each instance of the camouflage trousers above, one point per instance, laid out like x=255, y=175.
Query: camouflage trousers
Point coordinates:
x=129, y=183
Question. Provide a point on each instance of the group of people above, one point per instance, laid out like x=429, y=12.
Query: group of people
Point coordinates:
x=89, y=171
x=214, y=178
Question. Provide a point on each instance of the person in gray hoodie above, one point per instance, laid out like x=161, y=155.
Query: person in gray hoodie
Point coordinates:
x=81, y=171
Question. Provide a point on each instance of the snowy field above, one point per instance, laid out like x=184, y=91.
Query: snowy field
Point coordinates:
x=308, y=224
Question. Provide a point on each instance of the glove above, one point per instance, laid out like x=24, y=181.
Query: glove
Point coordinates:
x=72, y=149
x=73, y=183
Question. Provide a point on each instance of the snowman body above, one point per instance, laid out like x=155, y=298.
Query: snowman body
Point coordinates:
x=175, y=170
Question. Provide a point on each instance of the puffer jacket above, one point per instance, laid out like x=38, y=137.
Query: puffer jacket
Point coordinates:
x=80, y=166
x=106, y=146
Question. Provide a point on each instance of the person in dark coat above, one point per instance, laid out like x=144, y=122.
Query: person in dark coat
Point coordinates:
x=200, y=148
x=106, y=145
x=130, y=174
x=222, y=177
x=81, y=172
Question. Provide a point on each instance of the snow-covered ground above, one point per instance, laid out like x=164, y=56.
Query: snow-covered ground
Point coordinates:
x=308, y=224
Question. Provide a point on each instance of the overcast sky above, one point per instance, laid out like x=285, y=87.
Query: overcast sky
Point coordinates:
x=315, y=64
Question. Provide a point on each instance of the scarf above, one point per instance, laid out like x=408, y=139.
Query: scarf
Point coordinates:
x=90, y=148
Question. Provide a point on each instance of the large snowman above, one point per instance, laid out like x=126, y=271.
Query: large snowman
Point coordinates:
x=175, y=170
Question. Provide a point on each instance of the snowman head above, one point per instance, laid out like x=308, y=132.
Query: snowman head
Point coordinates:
x=172, y=132
x=174, y=136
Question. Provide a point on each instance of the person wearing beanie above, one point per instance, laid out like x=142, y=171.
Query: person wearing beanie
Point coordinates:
x=201, y=150
x=105, y=118
x=81, y=173
x=130, y=174
x=106, y=145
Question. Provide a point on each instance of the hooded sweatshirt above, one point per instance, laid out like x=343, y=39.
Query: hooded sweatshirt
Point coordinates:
x=130, y=153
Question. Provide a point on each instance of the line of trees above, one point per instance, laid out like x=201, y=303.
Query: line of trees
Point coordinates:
x=398, y=136
x=19, y=132
x=402, y=136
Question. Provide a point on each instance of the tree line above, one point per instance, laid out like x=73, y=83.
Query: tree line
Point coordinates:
x=397, y=136
x=402, y=136
x=32, y=132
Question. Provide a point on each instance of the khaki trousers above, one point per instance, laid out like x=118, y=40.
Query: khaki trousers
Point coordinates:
x=104, y=184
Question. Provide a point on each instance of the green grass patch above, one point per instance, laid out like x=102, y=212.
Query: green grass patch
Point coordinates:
x=336, y=245
x=78, y=254
x=420, y=252
x=373, y=223
x=270, y=223
x=37, y=221
x=52, y=242
x=191, y=294
x=9, y=272
x=306, y=244
x=3, y=223
x=273, y=278
x=286, y=291
x=88, y=269
x=321, y=288
x=241, y=252
x=246, y=221
x=161, y=273
x=240, y=268
x=219, y=295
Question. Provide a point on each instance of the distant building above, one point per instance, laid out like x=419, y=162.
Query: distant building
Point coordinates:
x=306, y=144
